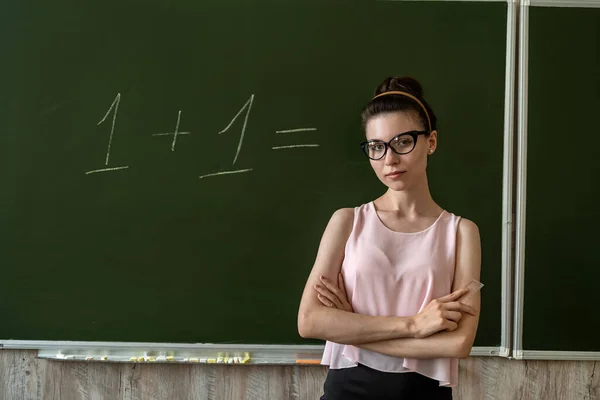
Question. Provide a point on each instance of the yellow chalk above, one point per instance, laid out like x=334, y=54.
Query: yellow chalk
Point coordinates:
x=226, y=360
x=170, y=358
x=194, y=360
x=212, y=361
x=315, y=362
x=133, y=359
x=246, y=360
x=104, y=358
x=141, y=359
x=151, y=359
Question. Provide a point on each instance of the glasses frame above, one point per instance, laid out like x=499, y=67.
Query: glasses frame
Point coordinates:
x=414, y=134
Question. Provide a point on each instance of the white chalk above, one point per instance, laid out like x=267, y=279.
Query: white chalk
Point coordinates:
x=249, y=106
x=239, y=171
x=115, y=105
x=295, y=146
x=297, y=130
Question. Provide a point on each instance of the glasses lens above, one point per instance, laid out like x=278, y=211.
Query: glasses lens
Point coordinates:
x=403, y=144
x=375, y=150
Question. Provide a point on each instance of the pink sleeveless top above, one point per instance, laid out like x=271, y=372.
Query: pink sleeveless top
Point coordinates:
x=390, y=273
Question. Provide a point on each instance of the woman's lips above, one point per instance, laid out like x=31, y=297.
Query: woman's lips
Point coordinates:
x=395, y=174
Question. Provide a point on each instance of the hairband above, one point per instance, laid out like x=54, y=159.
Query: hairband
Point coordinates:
x=410, y=96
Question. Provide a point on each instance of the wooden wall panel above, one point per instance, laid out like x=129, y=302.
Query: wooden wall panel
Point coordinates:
x=23, y=377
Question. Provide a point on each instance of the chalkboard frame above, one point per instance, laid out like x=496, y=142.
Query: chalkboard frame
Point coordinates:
x=294, y=354
x=519, y=352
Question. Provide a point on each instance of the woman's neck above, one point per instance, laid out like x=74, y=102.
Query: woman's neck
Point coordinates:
x=413, y=202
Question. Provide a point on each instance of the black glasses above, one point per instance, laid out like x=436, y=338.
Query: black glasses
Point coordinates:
x=402, y=143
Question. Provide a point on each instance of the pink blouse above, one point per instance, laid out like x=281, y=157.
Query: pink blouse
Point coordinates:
x=390, y=273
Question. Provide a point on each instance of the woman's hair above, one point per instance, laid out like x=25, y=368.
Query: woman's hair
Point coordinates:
x=398, y=102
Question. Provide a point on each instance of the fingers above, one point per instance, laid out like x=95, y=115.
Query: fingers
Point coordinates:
x=451, y=326
x=452, y=316
x=458, y=306
x=468, y=309
x=325, y=301
x=326, y=293
x=454, y=295
x=333, y=288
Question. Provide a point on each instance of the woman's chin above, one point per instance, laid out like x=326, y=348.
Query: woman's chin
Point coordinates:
x=396, y=186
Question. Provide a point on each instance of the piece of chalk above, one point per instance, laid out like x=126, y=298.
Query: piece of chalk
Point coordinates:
x=161, y=358
x=61, y=356
x=220, y=360
x=133, y=359
x=212, y=361
x=203, y=360
x=187, y=359
x=314, y=362
x=141, y=359
x=151, y=359
x=474, y=286
x=194, y=360
x=170, y=358
x=89, y=358
x=246, y=360
x=104, y=358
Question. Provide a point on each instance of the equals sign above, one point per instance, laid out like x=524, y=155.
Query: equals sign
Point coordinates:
x=295, y=146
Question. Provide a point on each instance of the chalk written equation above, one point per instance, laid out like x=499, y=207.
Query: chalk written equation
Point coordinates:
x=245, y=110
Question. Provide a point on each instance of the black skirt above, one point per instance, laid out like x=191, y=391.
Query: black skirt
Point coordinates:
x=362, y=382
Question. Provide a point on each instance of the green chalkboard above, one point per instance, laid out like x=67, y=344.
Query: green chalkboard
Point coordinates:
x=561, y=258
x=153, y=252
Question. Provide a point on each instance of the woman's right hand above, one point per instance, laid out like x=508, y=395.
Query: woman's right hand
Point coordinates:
x=442, y=314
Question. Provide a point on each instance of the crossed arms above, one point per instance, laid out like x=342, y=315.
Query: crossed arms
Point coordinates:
x=444, y=328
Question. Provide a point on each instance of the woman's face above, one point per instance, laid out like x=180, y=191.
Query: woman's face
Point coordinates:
x=400, y=171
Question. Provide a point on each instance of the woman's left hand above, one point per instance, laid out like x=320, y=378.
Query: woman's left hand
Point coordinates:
x=332, y=295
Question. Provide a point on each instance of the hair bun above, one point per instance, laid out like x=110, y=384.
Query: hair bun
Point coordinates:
x=403, y=84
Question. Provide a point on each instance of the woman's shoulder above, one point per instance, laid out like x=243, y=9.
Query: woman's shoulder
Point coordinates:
x=349, y=213
x=463, y=225
x=461, y=220
x=343, y=216
x=344, y=213
x=346, y=216
x=466, y=227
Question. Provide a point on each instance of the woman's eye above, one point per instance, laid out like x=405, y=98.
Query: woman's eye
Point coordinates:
x=376, y=147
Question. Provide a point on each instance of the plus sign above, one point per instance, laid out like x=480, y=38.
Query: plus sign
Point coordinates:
x=175, y=134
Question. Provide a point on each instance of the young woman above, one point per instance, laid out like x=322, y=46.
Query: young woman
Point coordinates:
x=388, y=290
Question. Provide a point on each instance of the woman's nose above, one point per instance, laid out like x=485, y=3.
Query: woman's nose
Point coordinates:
x=391, y=157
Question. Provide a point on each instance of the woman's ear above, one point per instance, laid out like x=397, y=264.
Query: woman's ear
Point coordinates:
x=432, y=142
